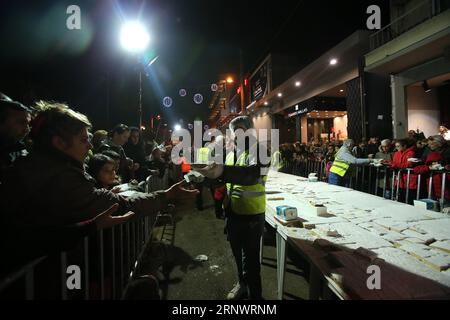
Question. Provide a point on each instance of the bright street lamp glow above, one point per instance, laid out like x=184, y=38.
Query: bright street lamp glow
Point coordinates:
x=134, y=37
x=177, y=127
x=230, y=80
x=280, y=95
x=298, y=84
x=333, y=62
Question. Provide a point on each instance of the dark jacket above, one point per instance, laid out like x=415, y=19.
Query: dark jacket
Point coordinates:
x=10, y=153
x=135, y=152
x=20, y=245
x=372, y=148
x=245, y=175
x=159, y=165
x=51, y=189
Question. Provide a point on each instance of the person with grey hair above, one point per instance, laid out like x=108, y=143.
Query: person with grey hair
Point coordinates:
x=384, y=156
x=339, y=172
x=385, y=150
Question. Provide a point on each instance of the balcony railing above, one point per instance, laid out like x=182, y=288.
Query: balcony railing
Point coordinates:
x=412, y=18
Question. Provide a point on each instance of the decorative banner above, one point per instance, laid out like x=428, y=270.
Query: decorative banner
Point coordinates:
x=190, y=126
x=214, y=87
x=182, y=93
x=167, y=102
x=198, y=98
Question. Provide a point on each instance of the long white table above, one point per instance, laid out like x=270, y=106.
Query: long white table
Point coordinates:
x=405, y=238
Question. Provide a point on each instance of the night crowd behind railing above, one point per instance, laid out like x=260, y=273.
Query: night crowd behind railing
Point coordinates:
x=67, y=193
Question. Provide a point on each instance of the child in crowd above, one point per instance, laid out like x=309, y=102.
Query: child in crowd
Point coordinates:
x=103, y=169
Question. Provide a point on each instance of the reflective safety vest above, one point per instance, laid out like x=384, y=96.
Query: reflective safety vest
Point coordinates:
x=339, y=166
x=245, y=200
x=203, y=155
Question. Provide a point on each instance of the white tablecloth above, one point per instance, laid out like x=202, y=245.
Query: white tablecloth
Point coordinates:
x=413, y=239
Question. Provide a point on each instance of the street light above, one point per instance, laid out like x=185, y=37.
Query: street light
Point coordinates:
x=135, y=38
x=224, y=82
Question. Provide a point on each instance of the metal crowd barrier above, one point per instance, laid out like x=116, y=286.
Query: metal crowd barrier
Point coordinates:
x=385, y=182
x=380, y=181
x=305, y=167
x=121, y=247
x=154, y=183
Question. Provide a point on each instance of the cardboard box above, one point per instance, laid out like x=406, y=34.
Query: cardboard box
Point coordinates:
x=427, y=204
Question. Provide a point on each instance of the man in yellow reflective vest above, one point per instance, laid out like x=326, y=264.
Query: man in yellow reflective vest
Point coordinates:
x=245, y=206
x=340, y=173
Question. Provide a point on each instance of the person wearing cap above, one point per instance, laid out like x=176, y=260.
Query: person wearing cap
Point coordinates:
x=14, y=127
x=339, y=171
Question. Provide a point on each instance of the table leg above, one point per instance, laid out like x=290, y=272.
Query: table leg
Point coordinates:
x=281, y=264
x=314, y=283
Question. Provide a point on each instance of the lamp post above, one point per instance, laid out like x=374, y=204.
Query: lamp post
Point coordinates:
x=135, y=38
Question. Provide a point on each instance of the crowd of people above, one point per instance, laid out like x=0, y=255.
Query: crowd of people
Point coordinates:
x=61, y=183
x=416, y=152
x=57, y=188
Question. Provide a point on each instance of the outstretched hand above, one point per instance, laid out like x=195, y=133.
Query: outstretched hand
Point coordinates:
x=179, y=190
x=105, y=219
x=211, y=171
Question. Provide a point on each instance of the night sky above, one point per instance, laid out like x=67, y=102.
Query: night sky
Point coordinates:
x=198, y=43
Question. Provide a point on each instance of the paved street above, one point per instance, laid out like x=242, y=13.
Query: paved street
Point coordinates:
x=200, y=233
